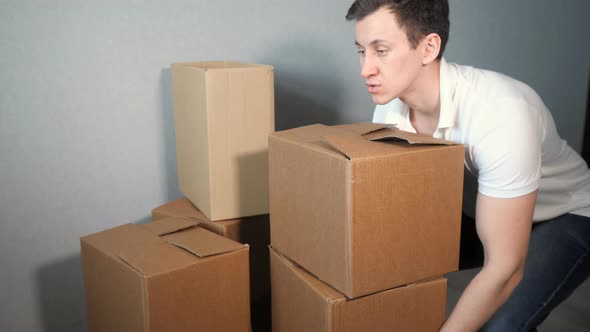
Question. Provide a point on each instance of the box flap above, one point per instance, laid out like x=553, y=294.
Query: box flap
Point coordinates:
x=363, y=128
x=388, y=134
x=169, y=225
x=353, y=145
x=176, y=250
x=358, y=141
x=202, y=242
x=156, y=257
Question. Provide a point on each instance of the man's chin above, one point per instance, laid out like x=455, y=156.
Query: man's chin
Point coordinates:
x=381, y=100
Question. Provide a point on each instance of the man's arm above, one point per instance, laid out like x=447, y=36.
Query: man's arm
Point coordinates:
x=504, y=227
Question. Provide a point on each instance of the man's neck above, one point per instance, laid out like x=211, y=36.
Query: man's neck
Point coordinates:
x=423, y=99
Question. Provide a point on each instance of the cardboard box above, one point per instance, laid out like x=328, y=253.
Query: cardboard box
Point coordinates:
x=365, y=207
x=301, y=302
x=169, y=275
x=254, y=231
x=223, y=113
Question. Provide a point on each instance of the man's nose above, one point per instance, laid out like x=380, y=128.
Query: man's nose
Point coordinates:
x=369, y=67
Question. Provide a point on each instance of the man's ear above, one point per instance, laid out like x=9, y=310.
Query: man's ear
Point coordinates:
x=431, y=46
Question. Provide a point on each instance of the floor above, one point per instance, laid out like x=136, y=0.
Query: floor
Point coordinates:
x=572, y=315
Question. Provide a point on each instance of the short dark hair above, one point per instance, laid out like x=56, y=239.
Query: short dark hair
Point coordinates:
x=418, y=17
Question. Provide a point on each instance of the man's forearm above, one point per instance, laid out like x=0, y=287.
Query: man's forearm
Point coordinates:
x=480, y=300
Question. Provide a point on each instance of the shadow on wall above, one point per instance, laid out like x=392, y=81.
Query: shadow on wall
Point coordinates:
x=252, y=181
x=169, y=137
x=306, y=90
x=60, y=288
x=144, y=220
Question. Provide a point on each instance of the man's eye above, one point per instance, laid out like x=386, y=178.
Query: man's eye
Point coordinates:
x=381, y=52
x=362, y=52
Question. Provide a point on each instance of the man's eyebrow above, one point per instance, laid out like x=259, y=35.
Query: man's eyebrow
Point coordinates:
x=374, y=42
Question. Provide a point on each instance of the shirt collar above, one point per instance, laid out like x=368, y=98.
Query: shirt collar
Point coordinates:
x=448, y=85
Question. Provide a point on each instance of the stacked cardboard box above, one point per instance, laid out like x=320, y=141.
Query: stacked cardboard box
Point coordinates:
x=301, y=302
x=223, y=114
x=254, y=231
x=365, y=209
x=169, y=275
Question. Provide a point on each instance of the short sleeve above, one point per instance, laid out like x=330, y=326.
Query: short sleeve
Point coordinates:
x=507, y=150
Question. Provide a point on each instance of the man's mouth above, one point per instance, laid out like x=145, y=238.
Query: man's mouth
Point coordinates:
x=373, y=88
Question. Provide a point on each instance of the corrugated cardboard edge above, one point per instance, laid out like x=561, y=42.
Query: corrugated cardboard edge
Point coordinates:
x=183, y=240
x=170, y=225
x=189, y=93
x=411, y=138
x=352, y=142
x=305, y=145
x=206, y=239
x=195, y=214
x=228, y=65
x=350, y=213
x=145, y=301
x=298, y=270
x=363, y=128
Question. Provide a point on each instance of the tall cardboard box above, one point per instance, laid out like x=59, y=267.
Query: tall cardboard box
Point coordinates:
x=169, y=275
x=223, y=113
x=301, y=302
x=365, y=207
x=254, y=231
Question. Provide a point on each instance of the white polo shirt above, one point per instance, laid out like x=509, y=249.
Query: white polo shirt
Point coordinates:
x=511, y=143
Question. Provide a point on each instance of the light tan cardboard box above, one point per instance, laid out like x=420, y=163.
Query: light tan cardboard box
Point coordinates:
x=364, y=215
x=169, y=275
x=254, y=231
x=301, y=302
x=223, y=113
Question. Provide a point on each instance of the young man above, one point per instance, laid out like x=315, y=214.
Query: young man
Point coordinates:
x=531, y=190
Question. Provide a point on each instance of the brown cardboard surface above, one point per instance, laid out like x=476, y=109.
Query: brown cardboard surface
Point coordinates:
x=362, y=215
x=171, y=225
x=136, y=280
x=301, y=302
x=254, y=231
x=201, y=242
x=222, y=307
x=105, y=279
x=223, y=113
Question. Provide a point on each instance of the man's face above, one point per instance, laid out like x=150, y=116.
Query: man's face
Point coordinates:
x=389, y=65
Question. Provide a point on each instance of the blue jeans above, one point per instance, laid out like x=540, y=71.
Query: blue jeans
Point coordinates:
x=557, y=263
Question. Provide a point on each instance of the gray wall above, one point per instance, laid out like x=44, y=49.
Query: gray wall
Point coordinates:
x=86, y=126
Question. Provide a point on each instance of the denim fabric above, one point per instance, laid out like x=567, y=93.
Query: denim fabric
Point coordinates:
x=557, y=263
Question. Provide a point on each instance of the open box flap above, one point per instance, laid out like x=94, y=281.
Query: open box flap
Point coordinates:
x=363, y=128
x=156, y=257
x=412, y=138
x=169, y=225
x=359, y=140
x=353, y=145
x=202, y=242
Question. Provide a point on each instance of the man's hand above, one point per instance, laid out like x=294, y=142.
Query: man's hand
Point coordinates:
x=504, y=228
